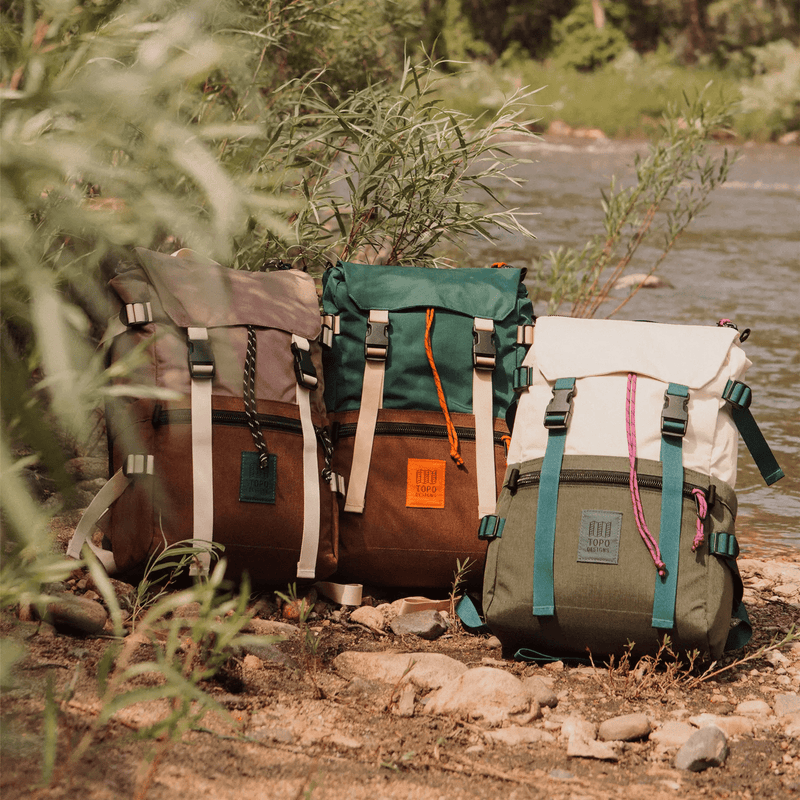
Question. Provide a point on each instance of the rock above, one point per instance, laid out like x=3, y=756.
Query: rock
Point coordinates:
x=786, y=704
x=424, y=670
x=576, y=725
x=188, y=611
x=672, y=735
x=791, y=725
x=369, y=616
x=300, y=607
x=269, y=627
x=705, y=748
x=516, y=734
x=578, y=747
x=540, y=692
x=493, y=643
x=252, y=663
x=425, y=624
x=730, y=726
x=786, y=589
x=754, y=708
x=484, y=693
x=76, y=615
x=625, y=728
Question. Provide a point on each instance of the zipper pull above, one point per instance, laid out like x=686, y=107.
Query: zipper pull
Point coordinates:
x=513, y=479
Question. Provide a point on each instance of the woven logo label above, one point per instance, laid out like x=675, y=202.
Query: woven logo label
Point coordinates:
x=425, y=483
x=257, y=485
x=599, y=537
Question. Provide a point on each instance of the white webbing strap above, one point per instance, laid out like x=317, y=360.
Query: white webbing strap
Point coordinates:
x=101, y=502
x=306, y=566
x=345, y=594
x=201, y=368
x=371, y=402
x=482, y=407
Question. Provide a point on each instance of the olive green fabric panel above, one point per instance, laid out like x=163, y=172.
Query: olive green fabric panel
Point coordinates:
x=601, y=606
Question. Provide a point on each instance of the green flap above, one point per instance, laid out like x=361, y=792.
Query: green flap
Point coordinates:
x=487, y=293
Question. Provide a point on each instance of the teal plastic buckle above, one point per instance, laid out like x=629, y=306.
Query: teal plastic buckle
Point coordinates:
x=559, y=409
x=723, y=544
x=738, y=394
x=675, y=416
x=491, y=527
x=522, y=378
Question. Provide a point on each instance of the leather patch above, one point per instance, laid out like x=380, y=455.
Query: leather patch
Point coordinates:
x=599, y=537
x=425, y=483
x=257, y=485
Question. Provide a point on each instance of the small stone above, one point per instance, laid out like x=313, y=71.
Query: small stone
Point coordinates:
x=578, y=747
x=425, y=670
x=516, y=735
x=705, y=748
x=425, y=624
x=541, y=692
x=672, y=735
x=791, y=725
x=188, y=611
x=77, y=615
x=269, y=654
x=483, y=693
x=786, y=704
x=625, y=728
x=731, y=726
x=561, y=775
x=555, y=666
x=576, y=725
x=754, y=708
x=493, y=643
x=369, y=616
x=251, y=662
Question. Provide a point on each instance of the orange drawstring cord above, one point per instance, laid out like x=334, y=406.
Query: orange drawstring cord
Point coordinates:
x=452, y=435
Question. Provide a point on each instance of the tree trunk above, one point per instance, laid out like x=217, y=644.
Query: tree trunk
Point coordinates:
x=696, y=34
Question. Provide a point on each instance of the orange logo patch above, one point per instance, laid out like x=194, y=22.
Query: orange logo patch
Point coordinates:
x=425, y=484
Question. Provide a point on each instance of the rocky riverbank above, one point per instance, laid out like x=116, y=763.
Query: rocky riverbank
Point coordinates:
x=387, y=706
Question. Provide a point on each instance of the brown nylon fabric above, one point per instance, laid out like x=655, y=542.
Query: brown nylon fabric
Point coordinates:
x=259, y=538
x=392, y=545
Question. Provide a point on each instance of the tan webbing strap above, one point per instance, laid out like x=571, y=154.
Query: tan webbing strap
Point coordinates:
x=101, y=502
x=376, y=349
x=525, y=334
x=346, y=594
x=482, y=407
x=201, y=369
x=306, y=383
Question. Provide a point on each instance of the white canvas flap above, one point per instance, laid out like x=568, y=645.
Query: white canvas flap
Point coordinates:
x=566, y=347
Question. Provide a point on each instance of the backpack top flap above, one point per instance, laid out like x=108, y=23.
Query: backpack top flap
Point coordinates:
x=600, y=354
x=488, y=293
x=691, y=355
x=197, y=292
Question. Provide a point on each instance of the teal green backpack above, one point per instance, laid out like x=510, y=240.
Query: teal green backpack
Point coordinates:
x=418, y=379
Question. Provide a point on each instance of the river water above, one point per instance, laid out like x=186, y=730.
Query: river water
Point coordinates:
x=740, y=259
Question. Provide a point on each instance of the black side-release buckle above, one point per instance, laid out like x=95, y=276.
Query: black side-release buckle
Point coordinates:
x=376, y=342
x=484, y=351
x=201, y=359
x=675, y=416
x=559, y=409
x=304, y=367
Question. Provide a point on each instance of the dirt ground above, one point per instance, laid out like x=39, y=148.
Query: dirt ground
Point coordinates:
x=301, y=730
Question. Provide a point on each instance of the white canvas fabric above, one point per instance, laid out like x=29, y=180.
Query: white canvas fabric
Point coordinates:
x=600, y=354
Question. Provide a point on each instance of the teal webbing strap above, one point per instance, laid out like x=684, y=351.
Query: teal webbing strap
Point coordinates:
x=556, y=420
x=738, y=395
x=469, y=615
x=673, y=428
x=739, y=635
x=526, y=654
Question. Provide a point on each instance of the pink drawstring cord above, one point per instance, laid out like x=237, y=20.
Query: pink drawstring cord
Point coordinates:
x=638, y=511
x=702, y=513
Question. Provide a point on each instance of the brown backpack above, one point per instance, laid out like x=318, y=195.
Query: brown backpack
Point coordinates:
x=218, y=429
